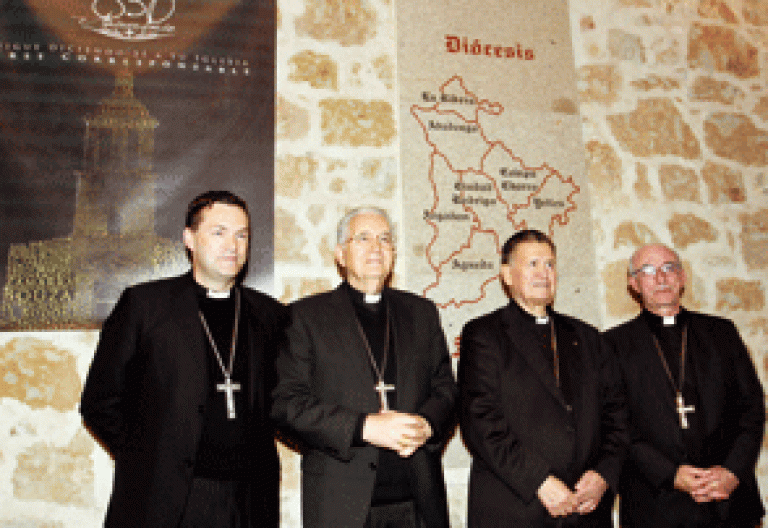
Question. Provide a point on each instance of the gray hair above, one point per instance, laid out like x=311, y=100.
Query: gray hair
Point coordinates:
x=342, y=231
x=631, y=266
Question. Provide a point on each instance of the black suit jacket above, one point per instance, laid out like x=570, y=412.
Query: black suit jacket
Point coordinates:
x=517, y=428
x=731, y=407
x=324, y=384
x=146, y=391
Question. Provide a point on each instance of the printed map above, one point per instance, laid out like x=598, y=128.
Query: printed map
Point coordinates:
x=483, y=191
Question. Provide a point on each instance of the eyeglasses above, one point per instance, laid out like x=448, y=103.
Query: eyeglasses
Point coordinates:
x=649, y=270
x=366, y=239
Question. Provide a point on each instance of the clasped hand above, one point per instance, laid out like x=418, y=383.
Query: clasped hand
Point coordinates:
x=706, y=485
x=403, y=433
x=560, y=501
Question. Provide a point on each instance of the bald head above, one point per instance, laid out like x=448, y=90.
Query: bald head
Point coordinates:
x=657, y=276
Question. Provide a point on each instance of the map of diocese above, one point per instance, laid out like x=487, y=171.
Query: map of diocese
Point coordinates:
x=482, y=192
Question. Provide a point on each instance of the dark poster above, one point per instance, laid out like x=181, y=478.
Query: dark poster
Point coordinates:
x=114, y=114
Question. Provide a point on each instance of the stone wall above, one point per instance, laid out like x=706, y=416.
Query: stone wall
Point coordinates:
x=674, y=102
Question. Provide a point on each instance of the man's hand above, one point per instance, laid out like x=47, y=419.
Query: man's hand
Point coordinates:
x=400, y=432
x=721, y=483
x=694, y=481
x=589, y=490
x=556, y=497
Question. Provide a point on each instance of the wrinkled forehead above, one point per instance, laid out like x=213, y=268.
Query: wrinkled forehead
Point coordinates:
x=370, y=223
x=654, y=255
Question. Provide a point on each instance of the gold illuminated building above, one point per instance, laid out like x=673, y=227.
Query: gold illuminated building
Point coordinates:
x=74, y=281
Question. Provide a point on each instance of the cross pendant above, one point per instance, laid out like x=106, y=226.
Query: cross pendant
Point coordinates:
x=682, y=409
x=382, y=389
x=229, y=388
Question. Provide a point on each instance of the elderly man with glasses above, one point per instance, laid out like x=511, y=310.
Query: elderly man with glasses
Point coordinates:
x=695, y=405
x=366, y=383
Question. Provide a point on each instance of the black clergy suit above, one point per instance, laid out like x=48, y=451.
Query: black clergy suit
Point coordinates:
x=325, y=384
x=516, y=424
x=146, y=394
x=726, y=427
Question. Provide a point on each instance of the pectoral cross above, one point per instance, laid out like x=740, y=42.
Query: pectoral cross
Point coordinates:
x=229, y=388
x=682, y=409
x=382, y=389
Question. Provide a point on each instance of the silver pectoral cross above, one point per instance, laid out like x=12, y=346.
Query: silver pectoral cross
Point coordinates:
x=382, y=388
x=229, y=388
x=682, y=410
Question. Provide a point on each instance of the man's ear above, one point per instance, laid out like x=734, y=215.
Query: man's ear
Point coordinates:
x=339, y=254
x=186, y=237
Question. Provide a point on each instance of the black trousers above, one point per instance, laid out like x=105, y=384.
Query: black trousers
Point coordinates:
x=215, y=504
x=397, y=515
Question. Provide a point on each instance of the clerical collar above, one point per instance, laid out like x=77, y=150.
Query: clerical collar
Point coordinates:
x=203, y=292
x=668, y=321
x=535, y=319
x=369, y=300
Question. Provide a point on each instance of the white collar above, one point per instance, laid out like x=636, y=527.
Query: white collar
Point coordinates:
x=213, y=294
x=372, y=298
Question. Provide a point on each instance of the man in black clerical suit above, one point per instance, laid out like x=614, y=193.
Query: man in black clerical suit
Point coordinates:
x=178, y=390
x=366, y=382
x=542, y=405
x=695, y=405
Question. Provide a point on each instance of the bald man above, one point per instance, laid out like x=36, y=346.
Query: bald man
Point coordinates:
x=695, y=405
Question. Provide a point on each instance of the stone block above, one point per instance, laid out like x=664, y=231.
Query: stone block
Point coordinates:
x=355, y=123
x=625, y=46
x=709, y=90
x=618, y=300
x=721, y=49
x=755, y=12
x=62, y=475
x=603, y=168
x=293, y=174
x=347, y=22
x=655, y=82
x=754, y=239
x=739, y=294
x=687, y=229
x=679, y=184
x=642, y=185
x=599, y=83
x=724, y=185
x=735, y=137
x=317, y=69
x=717, y=9
x=655, y=128
x=292, y=121
x=290, y=240
x=39, y=374
x=633, y=234
x=761, y=108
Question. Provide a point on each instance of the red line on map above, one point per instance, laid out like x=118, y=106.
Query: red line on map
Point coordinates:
x=494, y=109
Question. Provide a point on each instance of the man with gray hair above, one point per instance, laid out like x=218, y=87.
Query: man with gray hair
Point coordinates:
x=365, y=381
x=695, y=404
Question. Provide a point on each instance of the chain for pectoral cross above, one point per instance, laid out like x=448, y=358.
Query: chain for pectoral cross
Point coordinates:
x=681, y=408
x=228, y=387
x=381, y=387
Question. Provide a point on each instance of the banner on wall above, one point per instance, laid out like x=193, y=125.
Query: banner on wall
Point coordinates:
x=114, y=114
x=490, y=144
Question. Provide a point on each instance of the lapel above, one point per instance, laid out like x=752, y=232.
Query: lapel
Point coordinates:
x=342, y=320
x=254, y=341
x=542, y=369
x=572, y=360
x=190, y=354
x=707, y=371
x=401, y=327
